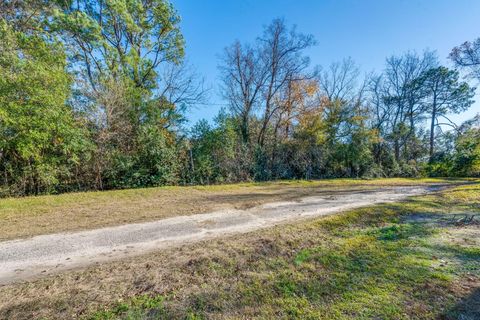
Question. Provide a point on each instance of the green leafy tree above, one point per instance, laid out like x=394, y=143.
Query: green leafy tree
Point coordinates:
x=129, y=37
x=39, y=138
x=124, y=51
x=30, y=16
x=443, y=93
x=215, y=151
x=466, y=158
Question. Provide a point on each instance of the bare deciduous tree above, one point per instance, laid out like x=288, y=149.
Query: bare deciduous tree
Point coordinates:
x=339, y=81
x=281, y=51
x=181, y=85
x=253, y=76
x=243, y=78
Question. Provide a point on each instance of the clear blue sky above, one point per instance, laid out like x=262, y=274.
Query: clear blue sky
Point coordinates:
x=366, y=30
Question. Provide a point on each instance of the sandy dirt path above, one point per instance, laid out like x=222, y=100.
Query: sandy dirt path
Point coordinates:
x=42, y=255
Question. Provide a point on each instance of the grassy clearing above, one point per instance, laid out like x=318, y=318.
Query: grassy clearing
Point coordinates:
x=392, y=261
x=25, y=217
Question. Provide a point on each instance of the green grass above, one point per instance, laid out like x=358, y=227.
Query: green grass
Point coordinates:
x=369, y=263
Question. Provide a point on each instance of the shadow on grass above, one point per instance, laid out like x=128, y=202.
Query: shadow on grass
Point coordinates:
x=467, y=309
x=288, y=194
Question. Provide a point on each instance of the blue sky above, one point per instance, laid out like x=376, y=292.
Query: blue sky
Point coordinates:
x=366, y=30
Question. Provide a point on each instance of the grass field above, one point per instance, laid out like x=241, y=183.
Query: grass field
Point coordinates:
x=405, y=260
x=30, y=216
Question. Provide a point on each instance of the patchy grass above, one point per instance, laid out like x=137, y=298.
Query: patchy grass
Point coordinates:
x=379, y=262
x=29, y=216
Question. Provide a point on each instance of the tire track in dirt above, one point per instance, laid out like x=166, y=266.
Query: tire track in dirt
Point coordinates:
x=47, y=254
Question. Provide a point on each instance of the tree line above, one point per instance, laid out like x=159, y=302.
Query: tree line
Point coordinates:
x=94, y=95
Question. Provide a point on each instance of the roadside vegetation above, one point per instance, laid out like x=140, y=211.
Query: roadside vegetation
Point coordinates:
x=94, y=95
x=412, y=259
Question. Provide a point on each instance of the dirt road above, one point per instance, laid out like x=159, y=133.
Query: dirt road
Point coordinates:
x=47, y=254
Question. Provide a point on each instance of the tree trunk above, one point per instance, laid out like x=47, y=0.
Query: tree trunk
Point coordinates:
x=432, y=131
x=244, y=129
x=263, y=130
x=397, y=150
